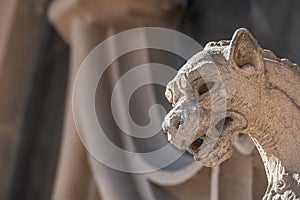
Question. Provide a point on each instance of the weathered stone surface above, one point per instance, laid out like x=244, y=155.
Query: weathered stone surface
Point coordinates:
x=262, y=99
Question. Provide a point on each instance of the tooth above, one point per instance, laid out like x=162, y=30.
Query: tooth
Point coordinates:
x=169, y=137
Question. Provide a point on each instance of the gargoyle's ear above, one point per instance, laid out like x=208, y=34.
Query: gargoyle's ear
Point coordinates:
x=245, y=54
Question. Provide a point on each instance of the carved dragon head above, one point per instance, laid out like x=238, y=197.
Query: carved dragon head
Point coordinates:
x=211, y=107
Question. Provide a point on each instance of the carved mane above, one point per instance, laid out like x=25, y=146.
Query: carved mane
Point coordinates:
x=268, y=54
x=287, y=72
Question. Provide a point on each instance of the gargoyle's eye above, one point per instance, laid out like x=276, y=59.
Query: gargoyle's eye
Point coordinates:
x=205, y=87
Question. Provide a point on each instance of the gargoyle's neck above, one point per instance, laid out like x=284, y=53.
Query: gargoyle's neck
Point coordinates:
x=277, y=141
x=277, y=119
x=275, y=132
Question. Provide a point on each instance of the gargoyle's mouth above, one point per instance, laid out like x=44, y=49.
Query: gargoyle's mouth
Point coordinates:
x=195, y=146
x=220, y=126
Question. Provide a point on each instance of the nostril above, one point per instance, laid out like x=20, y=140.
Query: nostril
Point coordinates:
x=177, y=125
x=175, y=122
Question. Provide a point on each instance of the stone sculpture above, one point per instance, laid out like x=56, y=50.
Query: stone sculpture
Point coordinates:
x=262, y=99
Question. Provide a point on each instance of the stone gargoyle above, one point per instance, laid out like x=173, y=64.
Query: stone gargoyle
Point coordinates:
x=261, y=93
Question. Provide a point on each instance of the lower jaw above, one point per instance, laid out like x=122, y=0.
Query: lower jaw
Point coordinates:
x=212, y=160
x=193, y=152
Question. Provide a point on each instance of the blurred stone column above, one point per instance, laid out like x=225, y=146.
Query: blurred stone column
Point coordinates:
x=111, y=183
x=78, y=23
x=73, y=178
x=232, y=180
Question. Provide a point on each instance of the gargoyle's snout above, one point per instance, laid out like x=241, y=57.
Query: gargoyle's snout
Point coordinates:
x=165, y=127
x=171, y=125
